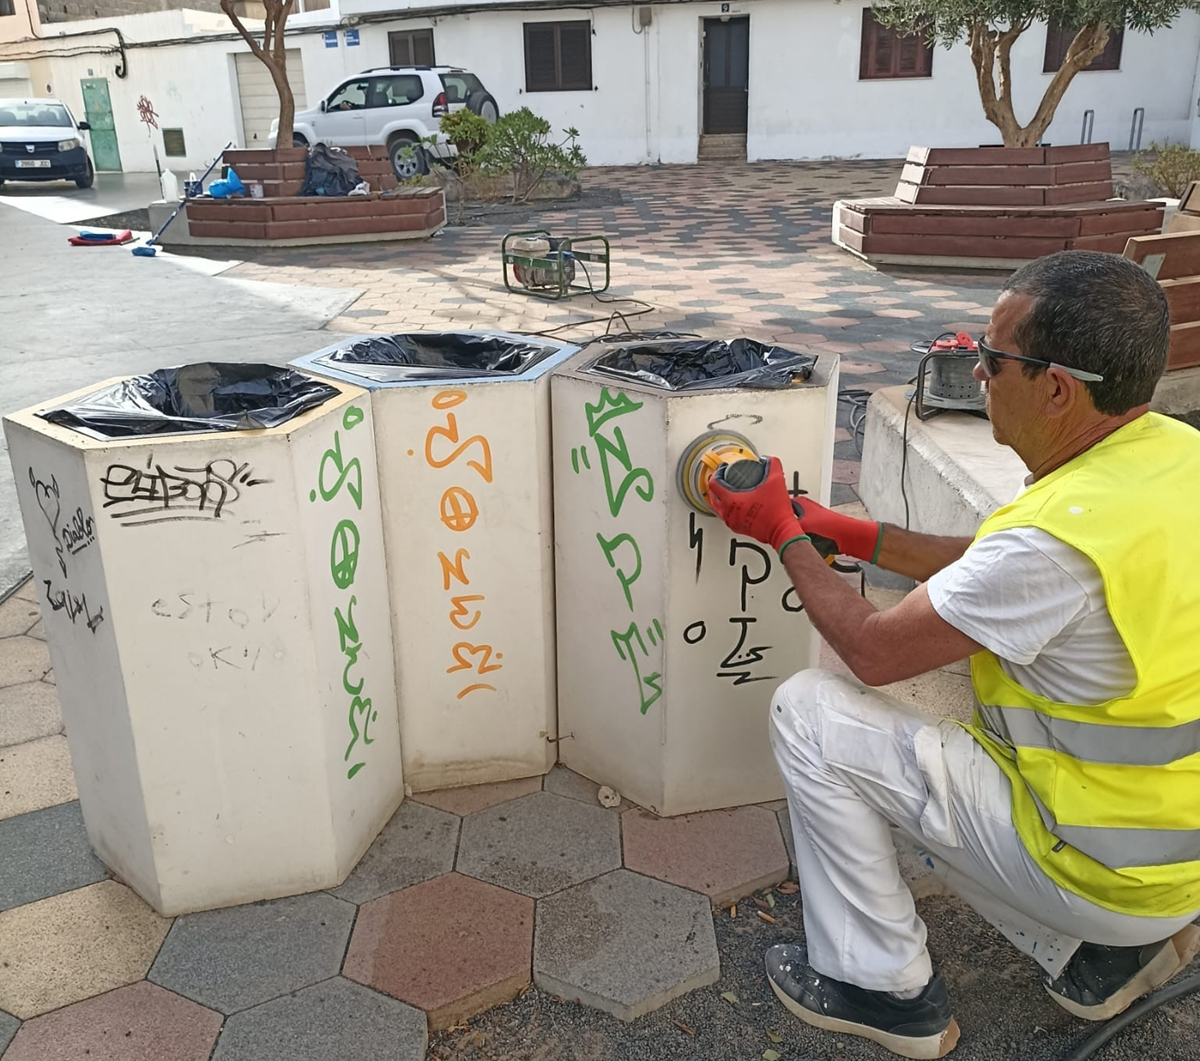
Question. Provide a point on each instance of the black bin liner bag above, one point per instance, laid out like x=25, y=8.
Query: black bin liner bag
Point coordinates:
x=438, y=355
x=697, y=363
x=208, y=396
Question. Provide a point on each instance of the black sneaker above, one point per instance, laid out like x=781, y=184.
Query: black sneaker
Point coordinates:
x=921, y=1027
x=1100, y=982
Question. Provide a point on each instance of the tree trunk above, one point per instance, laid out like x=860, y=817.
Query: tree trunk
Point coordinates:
x=287, y=101
x=272, y=53
x=992, y=49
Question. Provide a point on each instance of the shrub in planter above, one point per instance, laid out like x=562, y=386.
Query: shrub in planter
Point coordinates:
x=519, y=143
x=1172, y=167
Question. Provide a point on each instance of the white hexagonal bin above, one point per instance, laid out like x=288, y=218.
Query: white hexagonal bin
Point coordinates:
x=672, y=633
x=216, y=608
x=462, y=427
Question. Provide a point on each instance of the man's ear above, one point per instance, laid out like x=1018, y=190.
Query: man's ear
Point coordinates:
x=1063, y=392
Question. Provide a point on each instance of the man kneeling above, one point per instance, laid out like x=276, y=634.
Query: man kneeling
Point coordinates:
x=1068, y=813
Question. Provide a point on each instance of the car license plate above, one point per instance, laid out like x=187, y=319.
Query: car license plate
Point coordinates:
x=33, y=163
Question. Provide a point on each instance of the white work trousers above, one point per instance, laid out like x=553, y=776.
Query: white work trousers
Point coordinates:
x=854, y=760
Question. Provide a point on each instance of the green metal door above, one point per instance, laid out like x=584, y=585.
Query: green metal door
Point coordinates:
x=97, y=110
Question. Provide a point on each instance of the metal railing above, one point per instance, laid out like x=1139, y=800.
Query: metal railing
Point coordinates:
x=1135, y=128
x=1089, y=120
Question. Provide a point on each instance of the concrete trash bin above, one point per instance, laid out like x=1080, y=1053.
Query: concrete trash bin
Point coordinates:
x=215, y=607
x=673, y=634
x=462, y=426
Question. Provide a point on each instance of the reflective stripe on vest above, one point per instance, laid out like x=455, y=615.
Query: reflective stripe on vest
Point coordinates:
x=1121, y=745
x=1124, y=848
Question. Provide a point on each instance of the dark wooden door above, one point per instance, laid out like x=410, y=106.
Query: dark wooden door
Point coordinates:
x=726, y=74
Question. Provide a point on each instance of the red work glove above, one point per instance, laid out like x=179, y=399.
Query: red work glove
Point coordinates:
x=860, y=538
x=764, y=513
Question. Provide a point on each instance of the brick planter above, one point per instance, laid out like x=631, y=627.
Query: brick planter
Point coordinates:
x=407, y=213
x=282, y=217
x=994, y=207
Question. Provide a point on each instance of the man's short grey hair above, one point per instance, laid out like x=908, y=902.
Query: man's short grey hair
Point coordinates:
x=1100, y=313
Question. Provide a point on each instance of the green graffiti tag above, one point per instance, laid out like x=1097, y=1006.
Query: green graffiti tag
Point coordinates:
x=613, y=449
x=343, y=566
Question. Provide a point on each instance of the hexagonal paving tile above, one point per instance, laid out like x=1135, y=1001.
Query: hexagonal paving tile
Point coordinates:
x=232, y=959
x=34, y=775
x=418, y=843
x=624, y=943
x=23, y=659
x=46, y=853
x=28, y=711
x=8, y=1028
x=331, y=1021
x=17, y=616
x=472, y=798
x=136, y=1023
x=539, y=844
x=453, y=946
x=563, y=781
x=726, y=854
x=73, y=946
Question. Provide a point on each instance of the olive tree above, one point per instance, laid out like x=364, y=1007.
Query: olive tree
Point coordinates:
x=992, y=27
x=271, y=52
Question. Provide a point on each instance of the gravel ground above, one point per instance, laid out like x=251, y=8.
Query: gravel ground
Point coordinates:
x=1002, y=1010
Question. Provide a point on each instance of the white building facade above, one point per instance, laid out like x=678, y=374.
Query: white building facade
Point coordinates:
x=800, y=79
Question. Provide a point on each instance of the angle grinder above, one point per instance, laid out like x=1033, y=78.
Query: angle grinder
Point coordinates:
x=737, y=465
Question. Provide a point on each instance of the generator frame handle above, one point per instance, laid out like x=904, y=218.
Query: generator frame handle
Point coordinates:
x=568, y=247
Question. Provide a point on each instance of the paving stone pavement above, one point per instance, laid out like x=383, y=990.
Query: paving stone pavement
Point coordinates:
x=230, y=960
x=717, y=249
x=57, y=855
x=331, y=1020
x=481, y=935
x=140, y=1022
x=624, y=943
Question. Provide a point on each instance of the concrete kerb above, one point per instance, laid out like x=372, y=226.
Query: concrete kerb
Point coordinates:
x=954, y=472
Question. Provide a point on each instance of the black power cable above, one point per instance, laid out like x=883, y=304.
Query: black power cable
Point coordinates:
x=1119, y=1023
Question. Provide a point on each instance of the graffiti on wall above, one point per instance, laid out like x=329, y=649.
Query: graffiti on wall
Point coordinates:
x=138, y=497
x=473, y=661
x=336, y=474
x=740, y=658
x=71, y=533
x=625, y=483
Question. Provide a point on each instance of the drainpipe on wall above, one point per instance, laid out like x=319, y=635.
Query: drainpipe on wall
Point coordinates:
x=641, y=18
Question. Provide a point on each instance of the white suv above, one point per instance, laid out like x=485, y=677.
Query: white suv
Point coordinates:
x=393, y=106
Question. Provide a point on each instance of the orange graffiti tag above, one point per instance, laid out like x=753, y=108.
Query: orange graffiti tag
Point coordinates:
x=459, y=510
x=461, y=610
x=450, y=433
x=454, y=568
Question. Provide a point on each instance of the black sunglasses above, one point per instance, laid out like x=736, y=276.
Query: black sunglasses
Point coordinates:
x=989, y=360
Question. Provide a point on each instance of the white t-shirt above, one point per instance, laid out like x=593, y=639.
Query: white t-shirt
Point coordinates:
x=1039, y=605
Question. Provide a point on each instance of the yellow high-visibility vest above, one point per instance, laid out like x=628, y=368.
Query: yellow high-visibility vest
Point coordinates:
x=1106, y=797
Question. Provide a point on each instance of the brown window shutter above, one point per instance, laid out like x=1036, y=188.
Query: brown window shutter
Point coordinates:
x=1058, y=40
x=422, y=48
x=575, y=55
x=541, y=68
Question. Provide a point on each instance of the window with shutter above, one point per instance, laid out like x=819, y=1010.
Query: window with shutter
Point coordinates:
x=7, y=7
x=885, y=54
x=411, y=47
x=558, y=56
x=1058, y=40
